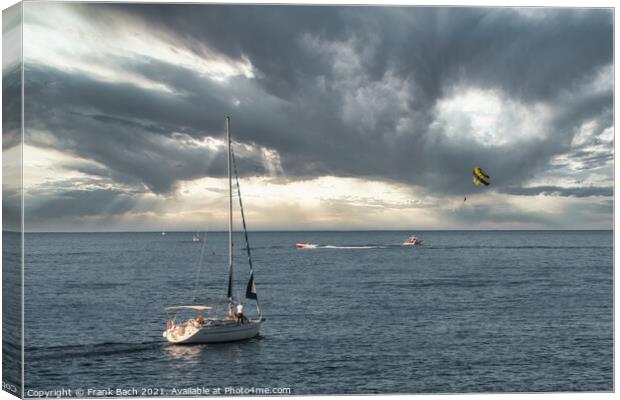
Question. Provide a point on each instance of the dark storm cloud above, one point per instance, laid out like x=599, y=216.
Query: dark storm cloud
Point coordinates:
x=326, y=90
x=11, y=118
x=135, y=140
x=81, y=203
x=11, y=76
x=11, y=107
x=479, y=215
x=525, y=54
x=559, y=191
x=268, y=36
x=595, y=213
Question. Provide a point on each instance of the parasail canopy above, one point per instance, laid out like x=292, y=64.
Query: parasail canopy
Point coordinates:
x=480, y=177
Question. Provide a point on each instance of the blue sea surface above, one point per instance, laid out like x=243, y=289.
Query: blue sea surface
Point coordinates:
x=478, y=311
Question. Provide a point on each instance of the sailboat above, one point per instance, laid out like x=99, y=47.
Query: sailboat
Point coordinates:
x=204, y=324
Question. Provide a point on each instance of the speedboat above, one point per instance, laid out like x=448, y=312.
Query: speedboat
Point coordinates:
x=412, y=241
x=306, y=245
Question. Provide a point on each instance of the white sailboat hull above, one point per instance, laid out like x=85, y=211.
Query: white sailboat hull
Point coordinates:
x=225, y=332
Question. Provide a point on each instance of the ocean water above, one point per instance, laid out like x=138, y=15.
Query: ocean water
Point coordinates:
x=507, y=311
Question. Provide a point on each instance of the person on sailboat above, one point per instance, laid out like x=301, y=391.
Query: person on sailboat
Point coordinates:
x=200, y=319
x=230, y=314
x=239, y=315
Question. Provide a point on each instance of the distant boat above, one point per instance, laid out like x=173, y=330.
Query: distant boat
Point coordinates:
x=196, y=238
x=163, y=233
x=231, y=324
x=412, y=241
x=306, y=245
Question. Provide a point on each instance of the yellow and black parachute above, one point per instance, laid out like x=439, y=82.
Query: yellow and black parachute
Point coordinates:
x=480, y=177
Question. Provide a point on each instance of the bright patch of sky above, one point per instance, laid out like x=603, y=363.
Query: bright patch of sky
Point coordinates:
x=62, y=38
x=488, y=117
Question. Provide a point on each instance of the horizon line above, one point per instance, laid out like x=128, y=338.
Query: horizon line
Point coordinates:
x=327, y=230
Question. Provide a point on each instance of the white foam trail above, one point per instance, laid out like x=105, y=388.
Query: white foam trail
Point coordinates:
x=352, y=247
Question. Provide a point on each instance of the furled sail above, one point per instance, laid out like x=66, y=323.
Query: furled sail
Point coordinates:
x=250, y=292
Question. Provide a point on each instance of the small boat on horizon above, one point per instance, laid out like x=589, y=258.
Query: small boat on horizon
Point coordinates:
x=196, y=238
x=412, y=241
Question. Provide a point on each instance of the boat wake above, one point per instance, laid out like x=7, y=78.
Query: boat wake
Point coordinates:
x=89, y=350
x=352, y=247
x=310, y=246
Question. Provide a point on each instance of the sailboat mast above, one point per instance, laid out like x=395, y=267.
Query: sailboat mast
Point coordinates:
x=230, y=214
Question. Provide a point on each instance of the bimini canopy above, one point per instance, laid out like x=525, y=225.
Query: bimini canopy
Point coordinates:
x=175, y=308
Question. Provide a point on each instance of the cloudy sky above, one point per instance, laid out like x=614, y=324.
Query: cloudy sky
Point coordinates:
x=342, y=117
